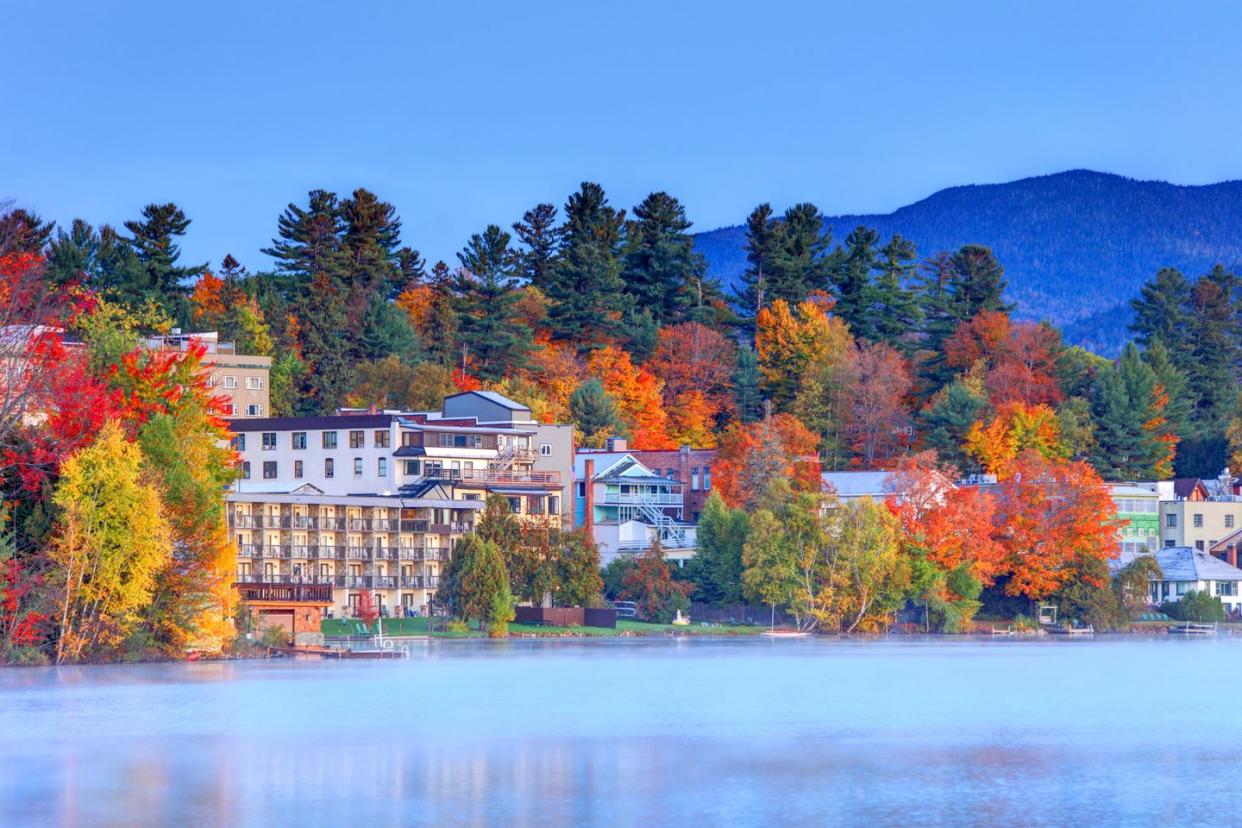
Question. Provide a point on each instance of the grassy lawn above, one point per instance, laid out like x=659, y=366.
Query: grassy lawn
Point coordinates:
x=392, y=626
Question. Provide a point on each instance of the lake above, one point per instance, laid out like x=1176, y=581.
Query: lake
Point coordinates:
x=638, y=732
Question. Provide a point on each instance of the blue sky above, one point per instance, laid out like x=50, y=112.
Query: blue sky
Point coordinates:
x=462, y=114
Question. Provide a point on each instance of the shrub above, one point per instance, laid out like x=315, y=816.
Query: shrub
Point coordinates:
x=274, y=637
x=1197, y=607
x=457, y=626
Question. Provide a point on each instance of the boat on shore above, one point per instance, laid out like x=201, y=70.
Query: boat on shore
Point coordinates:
x=784, y=634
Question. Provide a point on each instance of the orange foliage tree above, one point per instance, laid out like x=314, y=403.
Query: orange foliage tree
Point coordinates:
x=1017, y=362
x=692, y=357
x=638, y=394
x=788, y=340
x=1016, y=427
x=1050, y=515
x=753, y=455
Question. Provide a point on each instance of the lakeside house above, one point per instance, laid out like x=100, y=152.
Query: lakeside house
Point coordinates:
x=1185, y=569
x=625, y=506
x=1198, y=513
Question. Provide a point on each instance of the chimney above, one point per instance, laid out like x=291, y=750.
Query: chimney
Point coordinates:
x=1231, y=555
x=617, y=444
x=588, y=521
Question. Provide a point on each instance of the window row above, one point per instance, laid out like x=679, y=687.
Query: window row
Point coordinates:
x=229, y=383
x=270, y=468
x=328, y=439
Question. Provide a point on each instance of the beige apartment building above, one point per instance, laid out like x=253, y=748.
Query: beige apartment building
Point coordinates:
x=327, y=508
x=242, y=379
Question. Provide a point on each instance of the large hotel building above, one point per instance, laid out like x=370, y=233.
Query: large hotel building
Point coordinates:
x=328, y=507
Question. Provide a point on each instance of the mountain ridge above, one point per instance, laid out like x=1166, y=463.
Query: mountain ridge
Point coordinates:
x=1076, y=244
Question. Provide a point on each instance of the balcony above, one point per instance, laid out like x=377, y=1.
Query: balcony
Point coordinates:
x=532, y=478
x=358, y=553
x=643, y=499
x=249, y=550
x=245, y=521
x=451, y=528
x=278, y=551
x=285, y=593
x=417, y=526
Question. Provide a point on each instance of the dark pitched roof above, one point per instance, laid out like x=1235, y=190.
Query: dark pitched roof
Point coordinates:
x=1183, y=487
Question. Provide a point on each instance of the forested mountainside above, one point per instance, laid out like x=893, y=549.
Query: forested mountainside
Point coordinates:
x=1076, y=245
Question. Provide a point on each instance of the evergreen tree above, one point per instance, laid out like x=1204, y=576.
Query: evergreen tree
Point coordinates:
x=370, y=242
x=856, y=296
x=663, y=272
x=805, y=263
x=1215, y=349
x=1160, y=314
x=386, y=330
x=1124, y=405
x=72, y=256
x=153, y=240
x=642, y=333
x=948, y=418
x=716, y=568
x=594, y=413
x=977, y=282
x=22, y=231
x=933, y=288
x=1173, y=381
x=763, y=246
x=897, y=313
x=412, y=267
x=486, y=292
x=746, y=385
x=310, y=239
x=586, y=287
x=538, y=231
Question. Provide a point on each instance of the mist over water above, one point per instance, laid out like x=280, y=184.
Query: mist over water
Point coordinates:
x=641, y=732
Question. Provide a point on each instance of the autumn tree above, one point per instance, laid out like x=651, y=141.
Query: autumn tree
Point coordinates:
x=752, y=456
x=878, y=422
x=638, y=396
x=1015, y=429
x=788, y=340
x=1050, y=514
x=651, y=586
x=111, y=542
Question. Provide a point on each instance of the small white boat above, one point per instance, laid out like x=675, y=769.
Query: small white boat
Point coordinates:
x=784, y=634
x=1193, y=629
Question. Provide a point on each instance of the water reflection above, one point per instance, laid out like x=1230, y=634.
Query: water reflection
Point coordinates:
x=651, y=733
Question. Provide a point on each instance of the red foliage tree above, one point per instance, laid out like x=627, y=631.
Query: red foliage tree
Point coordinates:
x=878, y=426
x=1017, y=361
x=693, y=358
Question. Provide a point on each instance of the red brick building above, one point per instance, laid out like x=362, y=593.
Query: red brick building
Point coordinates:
x=693, y=467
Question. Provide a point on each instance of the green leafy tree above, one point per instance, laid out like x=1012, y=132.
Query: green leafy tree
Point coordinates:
x=578, y=581
x=716, y=568
x=1197, y=607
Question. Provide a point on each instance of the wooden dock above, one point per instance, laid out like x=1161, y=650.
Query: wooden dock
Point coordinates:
x=338, y=652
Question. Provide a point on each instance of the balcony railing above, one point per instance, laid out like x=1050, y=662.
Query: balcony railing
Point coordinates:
x=310, y=593
x=648, y=499
x=536, y=478
x=358, y=553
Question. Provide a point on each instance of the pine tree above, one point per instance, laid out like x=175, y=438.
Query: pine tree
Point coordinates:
x=386, y=331
x=1215, y=348
x=856, y=295
x=1160, y=314
x=539, y=232
x=746, y=385
x=896, y=308
x=310, y=239
x=947, y=420
x=977, y=283
x=1173, y=381
x=370, y=242
x=412, y=267
x=763, y=245
x=1125, y=404
x=586, y=287
x=663, y=272
x=486, y=293
x=805, y=263
x=594, y=413
x=22, y=231
x=153, y=239
x=71, y=257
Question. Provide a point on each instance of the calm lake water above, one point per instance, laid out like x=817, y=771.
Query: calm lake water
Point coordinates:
x=638, y=732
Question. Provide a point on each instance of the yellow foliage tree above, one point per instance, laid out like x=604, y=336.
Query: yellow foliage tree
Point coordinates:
x=1015, y=428
x=789, y=340
x=111, y=541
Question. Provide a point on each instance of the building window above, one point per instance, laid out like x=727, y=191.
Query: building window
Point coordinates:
x=1168, y=542
x=269, y=441
x=1199, y=545
x=1228, y=521
x=1198, y=521
x=211, y=382
x=246, y=470
x=357, y=467
x=382, y=438
x=1226, y=587
x=707, y=478
x=239, y=442
x=329, y=439
x=229, y=382
x=383, y=467
x=694, y=479
x=234, y=409
x=411, y=468
x=254, y=410
x=329, y=468
x=554, y=504
x=545, y=449
x=581, y=489
x=269, y=469
x=254, y=383
x=515, y=505
x=298, y=440
x=357, y=439
x=1170, y=521
x=297, y=469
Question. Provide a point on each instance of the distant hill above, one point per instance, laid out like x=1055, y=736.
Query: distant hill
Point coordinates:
x=1076, y=245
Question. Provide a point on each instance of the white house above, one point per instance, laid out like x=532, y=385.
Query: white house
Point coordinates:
x=1185, y=570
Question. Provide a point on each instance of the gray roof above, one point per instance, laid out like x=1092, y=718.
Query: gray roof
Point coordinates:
x=859, y=483
x=492, y=396
x=1181, y=563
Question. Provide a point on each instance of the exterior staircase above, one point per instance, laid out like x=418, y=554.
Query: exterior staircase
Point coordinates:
x=670, y=532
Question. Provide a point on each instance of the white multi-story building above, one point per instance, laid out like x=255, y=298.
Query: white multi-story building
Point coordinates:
x=328, y=507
